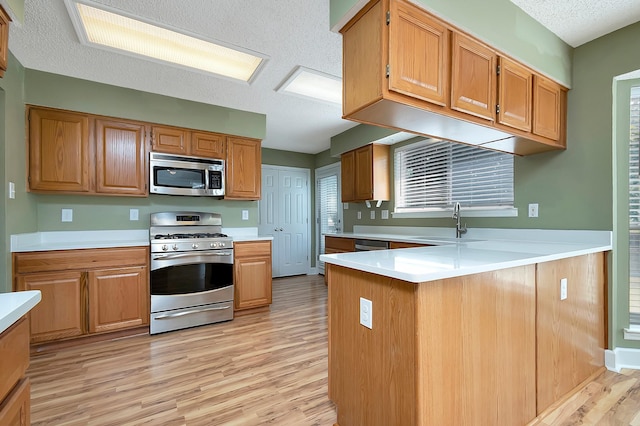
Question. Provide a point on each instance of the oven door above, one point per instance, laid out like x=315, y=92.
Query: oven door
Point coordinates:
x=186, y=279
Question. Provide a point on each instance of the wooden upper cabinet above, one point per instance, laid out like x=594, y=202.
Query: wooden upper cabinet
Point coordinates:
x=210, y=145
x=549, y=109
x=348, y=176
x=418, y=54
x=473, y=77
x=365, y=173
x=60, y=154
x=120, y=157
x=171, y=140
x=243, y=169
x=514, y=95
x=4, y=40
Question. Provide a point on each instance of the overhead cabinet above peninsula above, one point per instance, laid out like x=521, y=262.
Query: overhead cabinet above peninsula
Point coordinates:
x=80, y=153
x=406, y=69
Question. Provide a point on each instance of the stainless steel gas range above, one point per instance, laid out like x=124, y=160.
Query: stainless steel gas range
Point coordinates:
x=191, y=271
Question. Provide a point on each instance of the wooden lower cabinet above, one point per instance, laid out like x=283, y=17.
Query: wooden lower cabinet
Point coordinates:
x=61, y=313
x=118, y=298
x=252, y=274
x=14, y=386
x=85, y=291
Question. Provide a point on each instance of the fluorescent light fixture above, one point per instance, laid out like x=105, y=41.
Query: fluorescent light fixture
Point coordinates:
x=313, y=84
x=111, y=30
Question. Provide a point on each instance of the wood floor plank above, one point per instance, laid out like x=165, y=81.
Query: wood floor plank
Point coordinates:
x=264, y=368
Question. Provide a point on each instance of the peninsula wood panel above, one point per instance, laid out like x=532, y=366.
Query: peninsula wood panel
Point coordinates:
x=401, y=244
x=570, y=332
x=14, y=353
x=60, y=155
x=418, y=54
x=118, y=298
x=120, y=157
x=454, y=351
x=15, y=411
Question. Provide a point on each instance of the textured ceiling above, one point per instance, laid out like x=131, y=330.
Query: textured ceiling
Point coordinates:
x=289, y=32
x=580, y=21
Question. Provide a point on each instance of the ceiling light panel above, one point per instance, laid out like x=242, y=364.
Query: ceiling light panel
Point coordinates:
x=108, y=29
x=313, y=84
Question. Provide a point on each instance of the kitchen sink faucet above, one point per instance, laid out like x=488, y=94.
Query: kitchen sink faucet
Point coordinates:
x=456, y=215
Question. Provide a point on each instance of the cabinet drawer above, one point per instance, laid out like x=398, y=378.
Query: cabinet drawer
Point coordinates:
x=59, y=260
x=14, y=353
x=252, y=248
x=337, y=243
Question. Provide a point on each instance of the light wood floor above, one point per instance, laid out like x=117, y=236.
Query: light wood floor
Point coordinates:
x=265, y=368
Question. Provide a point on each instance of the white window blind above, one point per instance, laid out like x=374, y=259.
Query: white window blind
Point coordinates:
x=327, y=205
x=432, y=175
x=634, y=208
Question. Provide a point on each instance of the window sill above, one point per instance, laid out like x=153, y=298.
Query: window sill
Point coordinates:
x=468, y=212
x=632, y=333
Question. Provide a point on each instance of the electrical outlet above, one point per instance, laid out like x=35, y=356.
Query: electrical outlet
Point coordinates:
x=563, y=289
x=245, y=214
x=533, y=210
x=67, y=215
x=133, y=214
x=359, y=215
x=366, y=313
x=345, y=206
x=384, y=214
x=373, y=214
x=12, y=190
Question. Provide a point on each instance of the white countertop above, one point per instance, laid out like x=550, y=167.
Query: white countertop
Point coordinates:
x=457, y=257
x=15, y=304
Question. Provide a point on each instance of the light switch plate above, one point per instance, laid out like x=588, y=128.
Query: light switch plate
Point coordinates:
x=67, y=215
x=12, y=190
x=133, y=214
x=359, y=215
x=366, y=313
x=245, y=214
x=373, y=214
x=563, y=289
x=384, y=214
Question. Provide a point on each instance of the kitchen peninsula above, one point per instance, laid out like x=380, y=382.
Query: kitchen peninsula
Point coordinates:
x=476, y=331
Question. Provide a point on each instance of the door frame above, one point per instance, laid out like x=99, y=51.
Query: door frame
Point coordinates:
x=320, y=172
x=307, y=173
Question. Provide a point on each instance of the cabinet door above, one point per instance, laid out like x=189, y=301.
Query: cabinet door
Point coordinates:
x=120, y=157
x=211, y=145
x=118, y=298
x=61, y=312
x=348, y=176
x=473, y=77
x=364, y=173
x=252, y=277
x=514, y=95
x=16, y=409
x=243, y=169
x=418, y=54
x=4, y=40
x=548, y=108
x=59, y=151
x=169, y=139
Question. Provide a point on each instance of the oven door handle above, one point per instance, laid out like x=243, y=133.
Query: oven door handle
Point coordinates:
x=195, y=311
x=168, y=256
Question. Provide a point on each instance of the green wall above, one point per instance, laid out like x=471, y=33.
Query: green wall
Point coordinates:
x=500, y=24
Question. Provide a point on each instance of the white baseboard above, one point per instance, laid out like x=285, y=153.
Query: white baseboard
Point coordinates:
x=313, y=271
x=620, y=358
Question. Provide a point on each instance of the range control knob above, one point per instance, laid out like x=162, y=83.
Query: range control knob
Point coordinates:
x=213, y=245
x=165, y=247
x=175, y=247
x=194, y=246
x=222, y=244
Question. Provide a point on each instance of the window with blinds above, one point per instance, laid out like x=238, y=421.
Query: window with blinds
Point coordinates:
x=327, y=205
x=634, y=208
x=434, y=175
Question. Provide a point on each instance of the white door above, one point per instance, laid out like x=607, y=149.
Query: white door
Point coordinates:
x=284, y=214
x=328, y=206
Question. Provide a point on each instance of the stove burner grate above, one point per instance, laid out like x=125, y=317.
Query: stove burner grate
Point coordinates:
x=187, y=236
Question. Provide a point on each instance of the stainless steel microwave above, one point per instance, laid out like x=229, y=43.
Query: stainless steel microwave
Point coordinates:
x=183, y=175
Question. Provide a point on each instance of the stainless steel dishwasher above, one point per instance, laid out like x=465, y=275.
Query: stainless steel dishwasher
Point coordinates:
x=368, y=245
